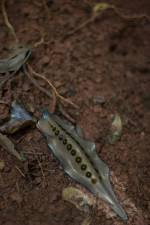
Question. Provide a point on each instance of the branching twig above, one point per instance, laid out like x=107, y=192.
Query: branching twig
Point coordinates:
x=53, y=106
x=65, y=114
x=96, y=14
x=80, y=27
x=38, y=43
x=55, y=94
x=20, y=171
x=52, y=86
x=4, y=102
x=134, y=17
x=6, y=78
x=8, y=24
x=40, y=165
x=36, y=83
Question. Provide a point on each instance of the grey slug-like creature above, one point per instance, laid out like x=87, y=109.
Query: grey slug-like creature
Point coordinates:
x=79, y=159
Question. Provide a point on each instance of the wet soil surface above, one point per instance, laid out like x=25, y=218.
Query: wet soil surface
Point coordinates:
x=103, y=68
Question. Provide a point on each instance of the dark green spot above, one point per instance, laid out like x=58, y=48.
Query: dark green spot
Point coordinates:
x=78, y=159
x=54, y=128
x=88, y=174
x=73, y=152
x=56, y=132
x=83, y=167
x=69, y=147
x=60, y=137
x=96, y=170
x=94, y=180
x=65, y=141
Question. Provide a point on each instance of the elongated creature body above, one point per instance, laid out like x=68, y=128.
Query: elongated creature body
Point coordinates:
x=79, y=159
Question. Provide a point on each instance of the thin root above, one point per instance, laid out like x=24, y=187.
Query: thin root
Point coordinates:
x=95, y=15
x=53, y=106
x=135, y=17
x=6, y=78
x=19, y=170
x=40, y=165
x=8, y=24
x=36, y=83
x=80, y=27
x=52, y=86
x=65, y=114
x=38, y=43
x=4, y=102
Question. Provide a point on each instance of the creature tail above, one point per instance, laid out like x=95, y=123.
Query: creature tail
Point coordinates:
x=107, y=194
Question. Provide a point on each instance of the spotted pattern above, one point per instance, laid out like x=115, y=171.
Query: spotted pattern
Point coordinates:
x=83, y=167
x=88, y=174
x=73, y=152
x=69, y=147
x=60, y=137
x=54, y=128
x=78, y=159
x=56, y=132
x=65, y=141
x=94, y=180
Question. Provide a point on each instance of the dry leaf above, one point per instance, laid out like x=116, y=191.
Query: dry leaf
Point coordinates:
x=116, y=129
x=8, y=145
x=101, y=7
x=20, y=118
x=16, y=60
x=77, y=197
x=87, y=220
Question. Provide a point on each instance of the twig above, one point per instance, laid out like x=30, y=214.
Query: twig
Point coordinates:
x=53, y=106
x=54, y=102
x=65, y=114
x=34, y=153
x=19, y=170
x=80, y=27
x=38, y=43
x=52, y=86
x=36, y=83
x=135, y=17
x=96, y=14
x=8, y=24
x=40, y=165
x=6, y=78
x=41, y=40
x=17, y=187
x=4, y=102
x=46, y=10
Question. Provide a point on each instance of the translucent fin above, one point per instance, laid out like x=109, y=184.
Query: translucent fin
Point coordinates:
x=18, y=112
x=44, y=127
x=79, y=131
x=19, y=119
x=66, y=125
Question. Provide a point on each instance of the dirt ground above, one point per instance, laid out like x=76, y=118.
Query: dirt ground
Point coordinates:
x=103, y=68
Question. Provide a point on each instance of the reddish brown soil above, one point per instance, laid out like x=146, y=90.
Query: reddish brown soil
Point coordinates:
x=109, y=58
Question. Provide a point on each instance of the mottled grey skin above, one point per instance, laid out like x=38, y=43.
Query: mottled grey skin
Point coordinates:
x=79, y=159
